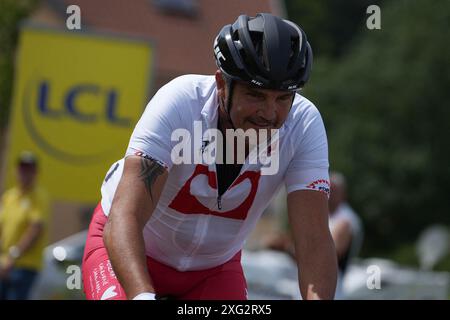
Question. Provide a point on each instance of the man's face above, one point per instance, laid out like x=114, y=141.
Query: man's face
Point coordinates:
x=253, y=108
x=259, y=109
x=27, y=175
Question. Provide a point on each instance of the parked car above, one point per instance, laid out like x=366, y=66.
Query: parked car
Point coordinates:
x=62, y=264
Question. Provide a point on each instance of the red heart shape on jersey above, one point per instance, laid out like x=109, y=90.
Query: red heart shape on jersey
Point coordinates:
x=186, y=203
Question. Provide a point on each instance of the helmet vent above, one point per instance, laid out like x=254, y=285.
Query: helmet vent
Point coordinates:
x=294, y=51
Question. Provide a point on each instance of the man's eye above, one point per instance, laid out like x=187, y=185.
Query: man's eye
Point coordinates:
x=286, y=98
x=254, y=96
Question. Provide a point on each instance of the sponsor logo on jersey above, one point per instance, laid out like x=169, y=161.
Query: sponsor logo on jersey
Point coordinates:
x=320, y=185
x=245, y=187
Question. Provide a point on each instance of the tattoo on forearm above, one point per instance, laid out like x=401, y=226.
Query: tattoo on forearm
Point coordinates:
x=150, y=170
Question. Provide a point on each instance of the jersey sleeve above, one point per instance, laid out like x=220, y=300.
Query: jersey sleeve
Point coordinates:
x=308, y=169
x=151, y=137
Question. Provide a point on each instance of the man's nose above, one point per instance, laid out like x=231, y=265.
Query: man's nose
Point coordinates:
x=268, y=111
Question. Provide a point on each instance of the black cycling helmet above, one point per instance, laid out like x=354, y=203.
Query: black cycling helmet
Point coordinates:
x=266, y=51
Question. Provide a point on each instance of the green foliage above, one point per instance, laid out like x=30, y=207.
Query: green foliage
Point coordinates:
x=444, y=264
x=404, y=254
x=11, y=13
x=329, y=24
x=385, y=106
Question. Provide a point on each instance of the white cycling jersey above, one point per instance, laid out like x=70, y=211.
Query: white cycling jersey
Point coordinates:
x=192, y=228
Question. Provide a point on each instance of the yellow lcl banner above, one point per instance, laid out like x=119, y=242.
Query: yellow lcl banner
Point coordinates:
x=77, y=97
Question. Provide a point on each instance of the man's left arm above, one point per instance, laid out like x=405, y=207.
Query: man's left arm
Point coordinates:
x=27, y=240
x=314, y=247
x=31, y=235
x=35, y=229
x=38, y=221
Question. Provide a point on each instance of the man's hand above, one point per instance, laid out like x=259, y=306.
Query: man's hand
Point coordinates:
x=136, y=197
x=28, y=239
x=314, y=247
x=6, y=265
x=280, y=242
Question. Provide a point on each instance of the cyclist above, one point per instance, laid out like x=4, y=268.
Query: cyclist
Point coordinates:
x=165, y=228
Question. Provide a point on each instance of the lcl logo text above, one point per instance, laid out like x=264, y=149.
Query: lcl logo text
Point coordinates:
x=71, y=109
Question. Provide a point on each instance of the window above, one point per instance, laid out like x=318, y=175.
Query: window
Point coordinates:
x=182, y=7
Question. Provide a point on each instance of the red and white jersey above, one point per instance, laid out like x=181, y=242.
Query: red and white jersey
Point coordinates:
x=192, y=228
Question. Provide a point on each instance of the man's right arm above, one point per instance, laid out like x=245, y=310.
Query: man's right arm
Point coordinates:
x=135, y=199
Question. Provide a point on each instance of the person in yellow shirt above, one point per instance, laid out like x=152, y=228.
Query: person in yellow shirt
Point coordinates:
x=23, y=231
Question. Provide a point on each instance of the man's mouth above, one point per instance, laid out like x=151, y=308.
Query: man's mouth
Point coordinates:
x=265, y=125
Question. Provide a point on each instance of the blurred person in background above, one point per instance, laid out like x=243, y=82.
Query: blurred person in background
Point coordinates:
x=23, y=231
x=345, y=226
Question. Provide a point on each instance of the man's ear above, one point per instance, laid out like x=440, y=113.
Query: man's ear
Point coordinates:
x=221, y=85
